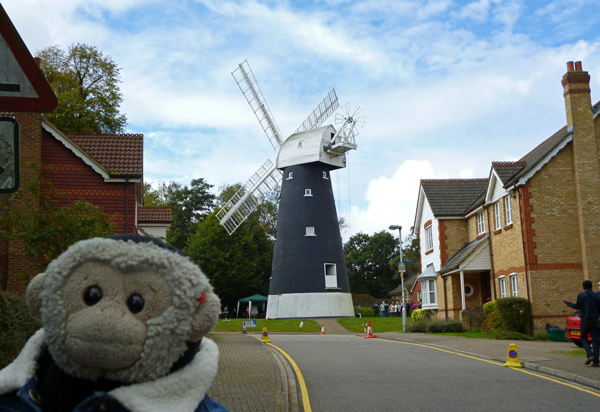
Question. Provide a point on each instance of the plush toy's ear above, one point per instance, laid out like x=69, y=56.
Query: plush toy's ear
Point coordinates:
x=34, y=292
x=205, y=317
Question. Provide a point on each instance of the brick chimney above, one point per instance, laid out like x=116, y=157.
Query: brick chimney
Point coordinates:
x=586, y=164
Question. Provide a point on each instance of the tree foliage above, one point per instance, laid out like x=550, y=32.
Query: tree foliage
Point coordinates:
x=87, y=86
x=412, y=258
x=189, y=206
x=368, y=263
x=48, y=230
x=238, y=265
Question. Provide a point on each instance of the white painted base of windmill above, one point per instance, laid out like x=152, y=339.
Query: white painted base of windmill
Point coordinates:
x=310, y=305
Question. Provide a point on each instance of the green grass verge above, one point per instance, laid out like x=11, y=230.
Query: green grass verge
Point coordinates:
x=577, y=352
x=274, y=325
x=377, y=324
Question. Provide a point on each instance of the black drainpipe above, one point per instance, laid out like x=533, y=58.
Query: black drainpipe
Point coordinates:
x=445, y=296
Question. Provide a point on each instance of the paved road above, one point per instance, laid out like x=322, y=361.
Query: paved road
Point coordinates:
x=348, y=373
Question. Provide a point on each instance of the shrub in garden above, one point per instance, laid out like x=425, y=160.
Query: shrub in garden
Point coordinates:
x=508, y=315
x=417, y=327
x=418, y=315
x=489, y=307
x=509, y=335
x=441, y=326
x=17, y=324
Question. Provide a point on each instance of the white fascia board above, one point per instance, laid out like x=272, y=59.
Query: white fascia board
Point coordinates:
x=122, y=180
x=58, y=135
x=523, y=179
x=489, y=192
x=449, y=218
x=474, y=212
x=420, y=203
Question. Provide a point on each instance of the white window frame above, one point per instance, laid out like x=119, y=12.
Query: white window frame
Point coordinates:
x=502, y=280
x=480, y=224
x=290, y=176
x=428, y=293
x=330, y=276
x=325, y=176
x=429, y=238
x=497, y=215
x=307, y=193
x=514, y=284
x=508, y=210
x=310, y=231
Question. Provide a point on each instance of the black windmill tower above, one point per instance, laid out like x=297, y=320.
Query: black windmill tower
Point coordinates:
x=309, y=277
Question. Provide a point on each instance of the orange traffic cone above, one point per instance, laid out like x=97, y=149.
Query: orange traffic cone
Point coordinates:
x=370, y=331
x=323, y=329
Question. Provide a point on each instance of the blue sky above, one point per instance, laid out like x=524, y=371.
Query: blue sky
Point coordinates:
x=447, y=87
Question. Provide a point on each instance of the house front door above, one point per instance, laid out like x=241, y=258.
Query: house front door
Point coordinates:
x=486, y=287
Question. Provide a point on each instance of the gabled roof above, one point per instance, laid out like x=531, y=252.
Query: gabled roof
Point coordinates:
x=539, y=156
x=151, y=214
x=506, y=170
x=459, y=257
x=452, y=197
x=121, y=154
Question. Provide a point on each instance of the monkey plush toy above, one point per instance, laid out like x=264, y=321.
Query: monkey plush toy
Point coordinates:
x=123, y=324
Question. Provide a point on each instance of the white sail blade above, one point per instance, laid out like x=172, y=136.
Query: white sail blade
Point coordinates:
x=245, y=79
x=246, y=200
x=327, y=106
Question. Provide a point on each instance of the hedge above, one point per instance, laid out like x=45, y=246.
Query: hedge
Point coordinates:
x=508, y=315
x=366, y=312
x=17, y=324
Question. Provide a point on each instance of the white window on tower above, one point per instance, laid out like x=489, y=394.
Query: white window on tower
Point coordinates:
x=502, y=280
x=310, y=231
x=514, y=284
x=325, y=175
x=307, y=192
x=508, y=210
x=290, y=175
x=497, y=215
x=480, y=224
x=330, y=276
x=428, y=238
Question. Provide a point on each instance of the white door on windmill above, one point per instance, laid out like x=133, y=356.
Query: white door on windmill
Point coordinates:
x=330, y=276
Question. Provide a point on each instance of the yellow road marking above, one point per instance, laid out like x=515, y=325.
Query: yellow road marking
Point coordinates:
x=303, y=389
x=495, y=363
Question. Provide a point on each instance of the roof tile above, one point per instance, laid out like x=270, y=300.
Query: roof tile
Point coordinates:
x=155, y=215
x=452, y=197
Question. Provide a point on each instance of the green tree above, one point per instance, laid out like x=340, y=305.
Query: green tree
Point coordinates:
x=50, y=229
x=368, y=263
x=238, y=265
x=189, y=205
x=87, y=86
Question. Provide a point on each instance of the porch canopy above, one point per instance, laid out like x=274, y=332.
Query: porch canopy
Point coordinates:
x=473, y=256
x=249, y=300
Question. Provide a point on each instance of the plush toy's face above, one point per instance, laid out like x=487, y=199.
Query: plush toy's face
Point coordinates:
x=108, y=314
x=121, y=310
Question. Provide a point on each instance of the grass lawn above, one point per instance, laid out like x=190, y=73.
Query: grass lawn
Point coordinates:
x=377, y=324
x=275, y=325
x=578, y=352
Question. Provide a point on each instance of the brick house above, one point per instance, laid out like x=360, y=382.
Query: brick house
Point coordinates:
x=105, y=170
x=531, y=229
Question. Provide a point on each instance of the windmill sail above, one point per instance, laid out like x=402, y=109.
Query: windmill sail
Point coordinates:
x=246, y=200
x=245, y=79
x=321, y=113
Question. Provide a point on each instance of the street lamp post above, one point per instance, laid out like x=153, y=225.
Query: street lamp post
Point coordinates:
x=394, y=227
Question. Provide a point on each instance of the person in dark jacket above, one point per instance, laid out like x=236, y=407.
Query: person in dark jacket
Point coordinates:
x=589, y=304
x=376, y=309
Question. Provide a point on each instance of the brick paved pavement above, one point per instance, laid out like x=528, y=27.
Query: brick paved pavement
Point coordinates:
x=252, y=376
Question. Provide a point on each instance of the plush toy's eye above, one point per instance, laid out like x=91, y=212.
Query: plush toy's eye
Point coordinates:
x=135, y=303
x=92, y=295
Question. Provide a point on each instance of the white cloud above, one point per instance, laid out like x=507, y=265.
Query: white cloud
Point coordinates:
x=390, y=201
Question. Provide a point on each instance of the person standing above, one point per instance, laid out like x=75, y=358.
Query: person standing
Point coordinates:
x=589, y=304
x=359, y=312
x=376, y=309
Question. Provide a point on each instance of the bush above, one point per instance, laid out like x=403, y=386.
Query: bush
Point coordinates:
x=441, y=326
x=17, y=324
x=541, y=334
x=418, y=315
x=489, y=308
x=366, y=312
x=417, y=327
x=509, y=335
x=514, y=314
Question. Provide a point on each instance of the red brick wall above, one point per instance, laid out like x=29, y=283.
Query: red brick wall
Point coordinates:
x=72, y=176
